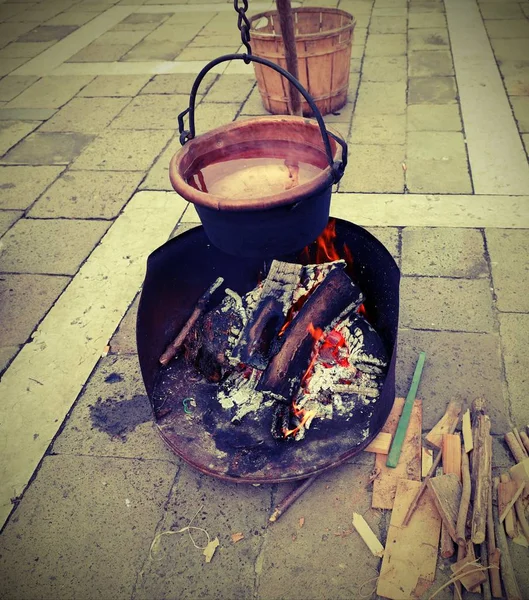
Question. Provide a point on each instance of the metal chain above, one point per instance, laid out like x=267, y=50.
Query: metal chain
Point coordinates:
x=243, y=24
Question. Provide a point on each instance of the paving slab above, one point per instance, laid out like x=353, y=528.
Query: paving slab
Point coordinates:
x=21, y=186
x=158, y=175
x=23, y=50
x=152, y=112
x=381, y=98
x=428, y=39
x=94, y=53
x=11, y=132
x=30, y=246
x=513, y=330
x=87, y=195
x=507, y=28
x=325, y=539
x=230, y=88
x=501, y=10
x=48, y=149
x=114, y=85
x=25, y=299
x=386, y=45
x=85, y=115
x=84, y=527
x=47, y=33
x=8, y=65
x=7, y=354
x=12, y=85
x=25, y=114
x=520, y=108
x=384, y=68
x=374, y=169
x=391, y=24
x=177, y=568
x=36, y=14
x=177, y=84
x=426, y=7
x=72, y=17
x=433, y=117
x=515, y=75
x=124, y=339
x=428, y=63
x=444, y=252
x=432, y=90
x=379, y=129
x=125, y=150
x=445, y=304
x=8, y=218
x=508, y=252
x=426, y=20
x=113, y=416
x=511, y=49
x=154, y=50
x=50, y=92
x=463, y=366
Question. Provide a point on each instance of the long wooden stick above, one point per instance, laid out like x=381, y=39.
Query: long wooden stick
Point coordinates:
x=507, y=571
x=525, y=440
x=493, y=553
x=404, y=421
x=520, y=511
x=514, y=446
x=286, y=22
x=518, y=437
x=289, y=499
x=481, y=478
x=465, y=501
x=172, y=349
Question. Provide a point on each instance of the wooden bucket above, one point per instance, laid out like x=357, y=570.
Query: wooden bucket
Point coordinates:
x=324, y=38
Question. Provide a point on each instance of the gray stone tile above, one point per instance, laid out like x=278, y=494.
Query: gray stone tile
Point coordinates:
x=12, y=85
x=227, y=508
x=432, y=90
x=433, y=176
x=378, y=129
x=389, y=237
x=177, y=84
x=381, y=98
x=24, y=300
x=508, y=251
x=21, y=186
x=47, y=33
x=124, y=339
x=11, y=132
x=100, y=513
x=26, y=114
x=507, y=28
x=49, y=246
x=426, y=7
x=511, y=49
x=24, y=50
x=87, y=195
x=230, y=88
x=501, y=10
x=515, y=75
x=100, y=53
x=513, y=331
x=11, y=31
x=48, y=149
x=114, y=85
x=124, y=150
x=374, y=169
x=520, y=107
x=430, y=117
x=384, y=68
x=463, y=366
x=419, y=20
x=72, y=17
x=142, y=21
x=50, y=92
x=113, y=416
x=209, y=116
x=36, y=14
x=7, y=354
x=158, y=176
x=443, y=304
x=427, y=63
x=8, y=218
x=327, y=510
x=154, y=50
x=443, y=252
x=8, y=65
x=85, y=115
x=208, y=53
x=392, y=24
x=440, y=145
x=152, y=112
x=254, y=105
x=386, y=45
x=428, y=39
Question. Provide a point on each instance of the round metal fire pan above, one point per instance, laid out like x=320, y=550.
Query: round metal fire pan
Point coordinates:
x=187, y=415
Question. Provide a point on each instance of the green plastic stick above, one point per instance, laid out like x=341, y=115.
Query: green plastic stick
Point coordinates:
x=398, y=440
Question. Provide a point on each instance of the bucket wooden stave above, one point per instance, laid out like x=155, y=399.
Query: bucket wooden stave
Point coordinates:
x=323, y=43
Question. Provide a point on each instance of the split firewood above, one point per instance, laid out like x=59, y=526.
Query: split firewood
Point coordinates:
x=514, y=446
x=452, y=454
x=493, y=553
x=467, y=432
x=518, y=437
x=520, y=473
x=446, y=544
x=447, y=424
x=445, y=491
x=172, y=349
x=508, y=492
x=525, y=440
x=481, y=473
x=510, y=584
x=465, y=501
x=520, y=511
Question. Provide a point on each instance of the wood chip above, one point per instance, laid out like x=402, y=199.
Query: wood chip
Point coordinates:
x=366, y=533
x=209, y=550
x=237, y=537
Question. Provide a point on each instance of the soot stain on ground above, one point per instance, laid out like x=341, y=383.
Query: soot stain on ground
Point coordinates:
x=113, y=378
x=117, y=418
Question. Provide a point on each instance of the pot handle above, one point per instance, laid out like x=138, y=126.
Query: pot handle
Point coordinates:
x=337, y=167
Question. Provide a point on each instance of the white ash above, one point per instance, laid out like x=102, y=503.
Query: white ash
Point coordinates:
x=238, y=392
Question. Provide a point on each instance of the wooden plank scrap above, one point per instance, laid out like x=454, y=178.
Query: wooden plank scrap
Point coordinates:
x=367, y=534
x=410, y=556
x=520, y=472
x=467, y=432
x=452, y=454
x=434, y=439
x=446, y=494
x=381, y=444
x=469, y=573
x=409, y=466
x=508, y=493
x=427, y=461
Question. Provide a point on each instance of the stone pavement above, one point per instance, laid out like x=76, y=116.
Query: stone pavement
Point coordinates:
x=437, y=122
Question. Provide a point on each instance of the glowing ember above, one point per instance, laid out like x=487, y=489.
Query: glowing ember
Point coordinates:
x=303, y=416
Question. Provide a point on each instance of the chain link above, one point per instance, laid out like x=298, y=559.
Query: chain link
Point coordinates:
x=243, y=24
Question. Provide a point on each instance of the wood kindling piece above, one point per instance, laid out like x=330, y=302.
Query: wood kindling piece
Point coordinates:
x=484, y=556
x=520, y=472
x=514, y=446
x=510, y=584
x=446, y=493
x=290, y=498
x=427, y=461
x=469, y=573
x=467, y=432
x=481, y=473
x=381, y=444
x=518, y=437
x=172, y=349
x=367, y=534
x=508, y=492
x=520, y=511
x=525, y=440
x=494, y=553
x=452, y=454
x=447, y=424
x=461, y=537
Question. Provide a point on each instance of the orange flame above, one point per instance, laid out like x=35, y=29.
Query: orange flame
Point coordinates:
x=303, y=415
